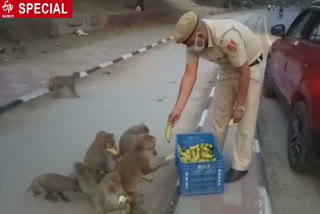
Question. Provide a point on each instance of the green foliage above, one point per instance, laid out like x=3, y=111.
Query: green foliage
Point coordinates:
x=5, y=29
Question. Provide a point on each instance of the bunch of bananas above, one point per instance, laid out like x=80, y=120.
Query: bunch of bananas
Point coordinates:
x=202, y=152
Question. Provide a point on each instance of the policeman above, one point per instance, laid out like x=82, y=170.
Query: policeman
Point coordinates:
x=238, y=51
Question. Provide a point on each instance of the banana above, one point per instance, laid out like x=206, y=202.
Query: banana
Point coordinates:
x=169, y=157
x=185, y=155
x=168, y=132
x=123, y=199
x=206, y=149
x=202, y=152
x=185, y=160
x=193, y=155
x=112, y=151
x=194, y=147
x=148, y=177
x=206, y=155
x=196, y=157
x=231, y=122
x=198, y=150
x=180, y=150
x=208, y=145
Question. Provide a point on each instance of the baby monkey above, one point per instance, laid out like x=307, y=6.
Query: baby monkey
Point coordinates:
x=53, y=186
x=58, y=82
x=107, y=197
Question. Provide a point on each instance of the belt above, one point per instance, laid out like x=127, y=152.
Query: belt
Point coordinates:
x=257, y=61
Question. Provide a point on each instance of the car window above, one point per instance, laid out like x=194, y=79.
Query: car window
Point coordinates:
x=302, y=25
x=315, y=34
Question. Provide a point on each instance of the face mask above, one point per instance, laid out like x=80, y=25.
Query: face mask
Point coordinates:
x=196, y=48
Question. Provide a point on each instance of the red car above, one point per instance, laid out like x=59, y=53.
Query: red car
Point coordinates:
x=293, y=74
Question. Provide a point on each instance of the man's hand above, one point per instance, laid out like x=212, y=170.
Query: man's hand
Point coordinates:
x=237, y=115
x=174, y=116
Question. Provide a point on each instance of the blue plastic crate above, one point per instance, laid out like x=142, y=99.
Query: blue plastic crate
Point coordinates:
x=200, y=178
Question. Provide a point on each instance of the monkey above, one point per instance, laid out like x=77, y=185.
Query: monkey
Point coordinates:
x=135, y=163
x=128, y=138
x=102, y=155
x=108, y=196
x=128, y=141
x=52, y=186
x=58, y=82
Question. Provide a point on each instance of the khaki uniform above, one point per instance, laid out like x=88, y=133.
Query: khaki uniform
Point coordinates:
x=230, y=45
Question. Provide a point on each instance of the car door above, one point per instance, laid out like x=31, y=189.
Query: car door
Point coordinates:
x=277, y=59
x=311, y=82
x=297, y=58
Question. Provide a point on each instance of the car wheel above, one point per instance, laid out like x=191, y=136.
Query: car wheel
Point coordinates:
x=268, y=90
x=298, y=137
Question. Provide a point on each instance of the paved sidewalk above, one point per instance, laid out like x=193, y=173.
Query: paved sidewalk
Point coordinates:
x=24, y=76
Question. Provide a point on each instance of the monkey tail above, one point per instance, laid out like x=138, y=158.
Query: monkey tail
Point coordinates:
x=86, y=178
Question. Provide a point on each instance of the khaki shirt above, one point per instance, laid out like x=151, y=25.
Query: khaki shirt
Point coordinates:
x=230, y=44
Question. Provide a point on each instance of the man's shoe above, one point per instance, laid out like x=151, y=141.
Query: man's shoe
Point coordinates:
x=233, y=175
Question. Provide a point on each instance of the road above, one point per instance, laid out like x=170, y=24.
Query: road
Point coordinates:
x=290, y=193
x=46, y=135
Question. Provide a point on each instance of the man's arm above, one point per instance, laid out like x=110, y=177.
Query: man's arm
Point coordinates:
x=235, y=48
x=187, y=84
x=243, y=85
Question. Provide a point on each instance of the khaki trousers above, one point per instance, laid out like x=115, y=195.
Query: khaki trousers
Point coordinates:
x=224, y=101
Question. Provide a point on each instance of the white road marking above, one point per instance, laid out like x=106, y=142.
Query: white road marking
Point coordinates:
x=163, y=40
x=212, y=92
x=266, y=31
x=34, y=94
x=203, y=118
x=83, y=73
x=103, y=65
x=154, y=44
x=127, y=56
x=141, y=50
x=256, y=146
x=264, y=202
